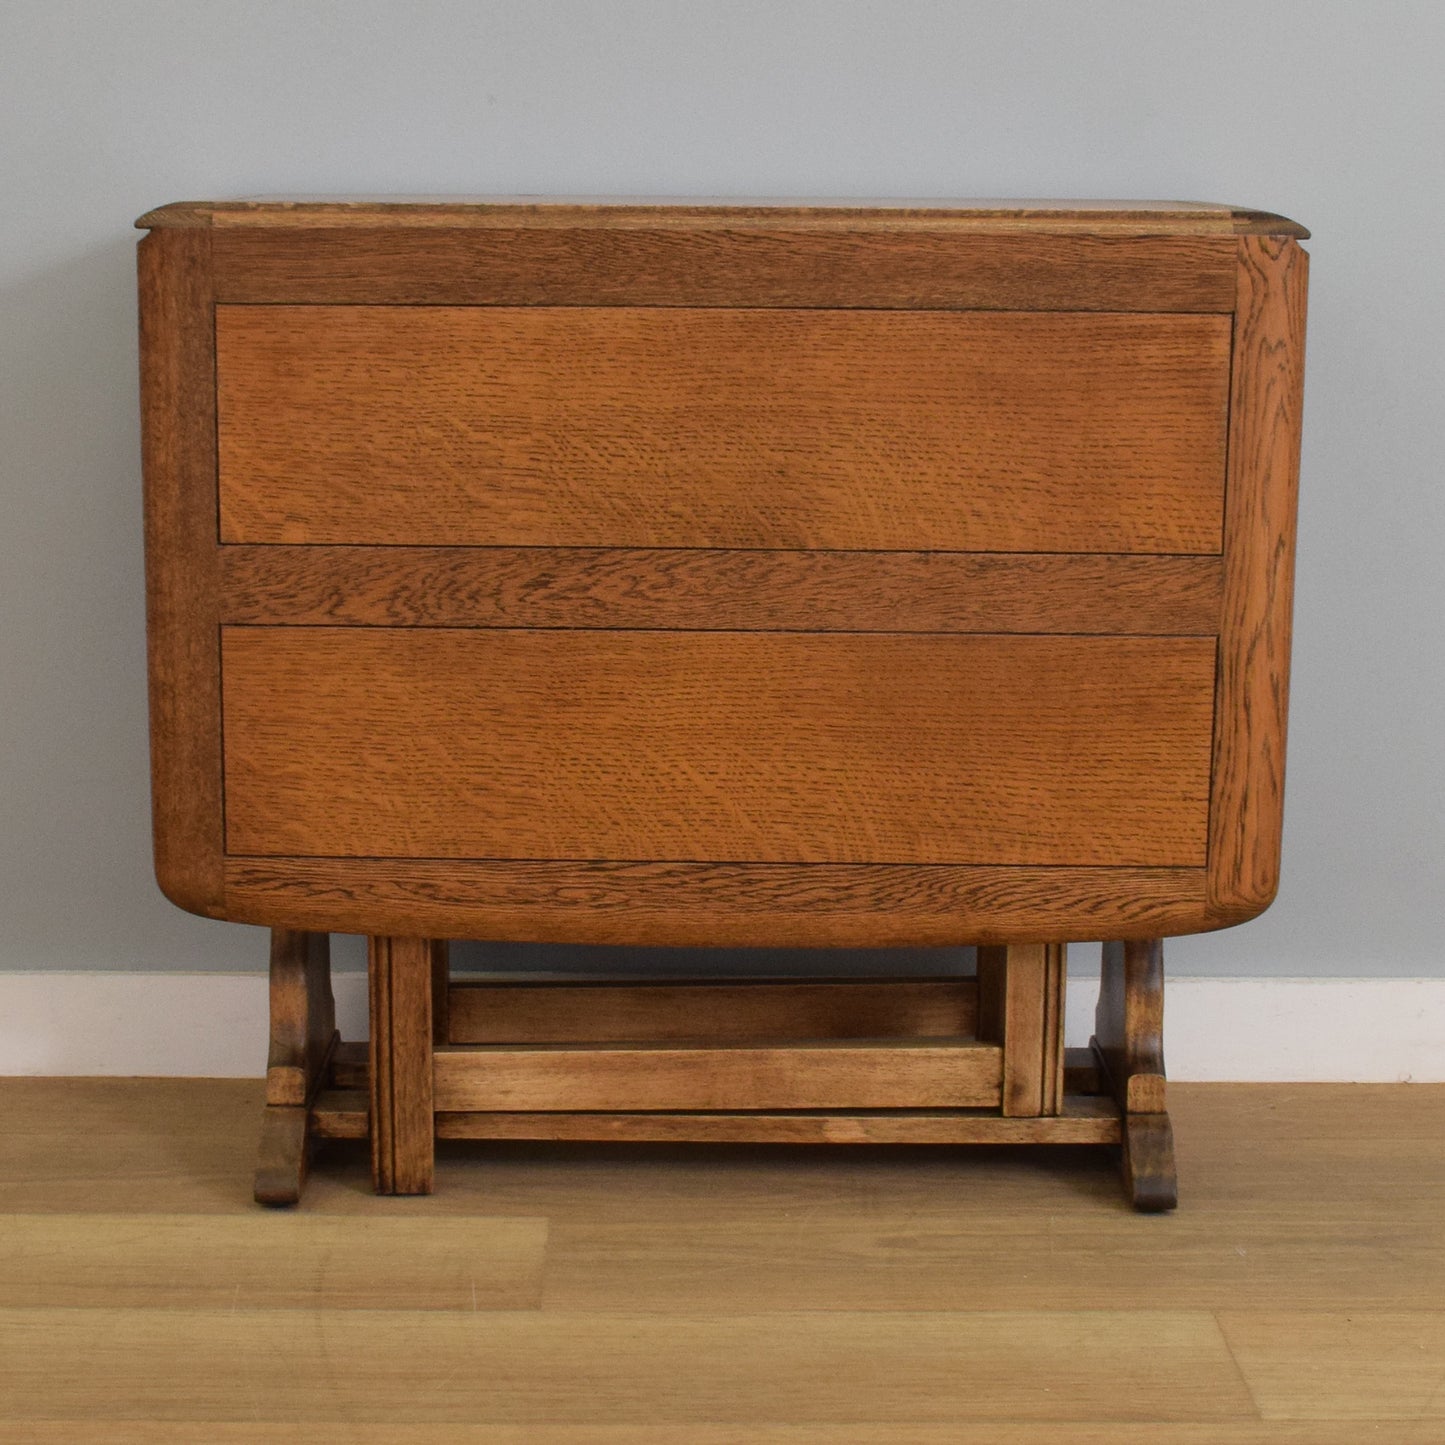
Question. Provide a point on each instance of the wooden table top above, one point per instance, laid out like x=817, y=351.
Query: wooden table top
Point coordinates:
x=1107, y=217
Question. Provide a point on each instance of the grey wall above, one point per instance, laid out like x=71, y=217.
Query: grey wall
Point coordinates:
x=1329, y=112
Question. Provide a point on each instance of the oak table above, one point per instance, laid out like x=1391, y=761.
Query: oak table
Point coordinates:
x=735, y=574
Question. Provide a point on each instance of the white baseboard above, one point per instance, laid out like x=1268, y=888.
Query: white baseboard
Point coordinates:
x=1355, y=1030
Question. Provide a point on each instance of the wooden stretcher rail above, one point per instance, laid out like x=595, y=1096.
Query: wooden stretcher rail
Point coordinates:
x=341, y=1114
x=1085, y=1121
x=766, y=1075
x=560, y=1013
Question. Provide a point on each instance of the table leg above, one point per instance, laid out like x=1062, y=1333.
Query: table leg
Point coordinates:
x=400, y=973
x=1021, y=1006
x=303, y=1037
x=1129, y=1043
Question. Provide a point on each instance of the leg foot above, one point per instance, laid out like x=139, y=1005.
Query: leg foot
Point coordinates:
x=303, y=1038
x=281, y=1169
x=1148, y=1159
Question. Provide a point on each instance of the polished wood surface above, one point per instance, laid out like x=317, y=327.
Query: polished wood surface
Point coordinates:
x=1265, y=414
x=1021, y=1006
x=178, y=451
x=694, y=574
x=400, y=979
x=1128, y=1044
x=839, y=1074
x=1082, y=1120
x=303, y=1015
x=1089, y=217
x=715, y=262
x=303, y=1042
x=358, y=340
x=946, y=1060
x=1129, y=1023
x=705, y=588
x=994, y=1433
x=562, y=1013
x=748, y=747
x=611, y=1294
x=735, y=905
x=676, y=427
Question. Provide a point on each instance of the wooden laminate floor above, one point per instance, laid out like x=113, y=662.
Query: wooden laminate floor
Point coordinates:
x=713, y=1295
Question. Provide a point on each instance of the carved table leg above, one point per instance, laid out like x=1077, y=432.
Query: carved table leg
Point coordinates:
x=1129, y=1043
x=303, y=1036
x=401, y=972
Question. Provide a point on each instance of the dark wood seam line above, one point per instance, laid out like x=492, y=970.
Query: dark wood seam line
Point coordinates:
x=625, y=863
x=1219, y=659
x=220, y=622
x=603, y=547
x=728, y=631
x=718, y=631
x=1053, y=310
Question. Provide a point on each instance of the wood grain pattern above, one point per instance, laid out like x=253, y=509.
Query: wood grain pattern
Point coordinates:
x=1047, y=216
x=774, y=747
x=178, y=449
x=342, y=1114
x=1129, y=1023
x=174, y=1260
x=1083, y=1121
x=303, y=1015
x=1029, y=998
x=498, y=1013
x=677, y=427
x=1317, y=1244
x=1000, y=257
x=1021, y=1019
x=717, y=904
x=1275, y=1227
x=281, y=1159
x=1129, y=1043
x=718, y=263
x=1342, y=1364
x=549, y=1367
x=400, y=975
x=1264, y=442
x=1218, y=1432
x=710, y=588
x=1150, y=1174
x=1333, y=1189
x=849, y=1074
